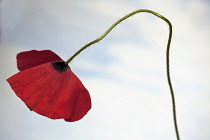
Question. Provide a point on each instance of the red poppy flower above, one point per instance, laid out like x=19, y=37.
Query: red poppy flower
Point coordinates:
x=49, y=87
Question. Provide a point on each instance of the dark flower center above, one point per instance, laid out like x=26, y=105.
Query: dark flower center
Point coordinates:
x=60, y=66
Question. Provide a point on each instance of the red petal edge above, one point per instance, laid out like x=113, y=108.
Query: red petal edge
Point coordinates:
x=52, y=94
x=29, y=59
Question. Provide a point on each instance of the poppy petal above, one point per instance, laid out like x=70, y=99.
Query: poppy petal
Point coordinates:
x=29, y=59
x=83, y=104
x=51, y=93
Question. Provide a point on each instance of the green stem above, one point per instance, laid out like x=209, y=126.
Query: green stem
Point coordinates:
x=167, y=55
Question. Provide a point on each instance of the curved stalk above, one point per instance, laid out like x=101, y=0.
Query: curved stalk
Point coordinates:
x=167, y=55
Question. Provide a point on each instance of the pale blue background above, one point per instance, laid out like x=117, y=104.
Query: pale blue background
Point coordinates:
x=124, y=73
